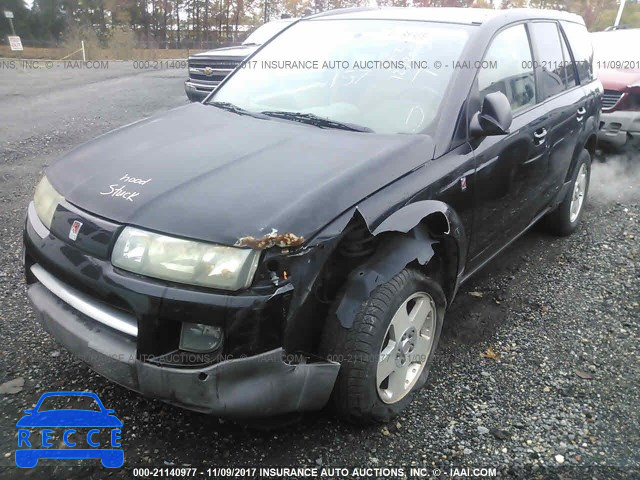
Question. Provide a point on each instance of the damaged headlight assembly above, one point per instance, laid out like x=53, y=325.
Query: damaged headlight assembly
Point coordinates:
x=46, y=200
x=184, y=261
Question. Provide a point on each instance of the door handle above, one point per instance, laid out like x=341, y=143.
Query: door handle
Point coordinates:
x=581, y=111
x=539, y=136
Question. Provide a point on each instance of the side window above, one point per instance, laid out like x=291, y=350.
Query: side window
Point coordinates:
x=509, y=68
x=569, y=69
x=549, y=57
x=580, y=44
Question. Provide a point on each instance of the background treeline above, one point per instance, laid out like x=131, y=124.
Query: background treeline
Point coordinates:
x=209, y=23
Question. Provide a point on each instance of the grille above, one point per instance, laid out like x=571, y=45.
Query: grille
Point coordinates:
x=210, y=69
x=610, y=98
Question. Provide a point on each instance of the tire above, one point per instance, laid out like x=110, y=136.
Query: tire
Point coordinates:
x=359, y=395
x=564, y=220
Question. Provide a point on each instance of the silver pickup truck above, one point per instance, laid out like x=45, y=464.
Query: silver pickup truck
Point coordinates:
x=208, y=69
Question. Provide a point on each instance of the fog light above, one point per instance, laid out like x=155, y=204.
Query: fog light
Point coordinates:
x=199, y=338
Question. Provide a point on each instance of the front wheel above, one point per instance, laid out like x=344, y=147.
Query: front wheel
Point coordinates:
x=565, y=218
x=385, y=356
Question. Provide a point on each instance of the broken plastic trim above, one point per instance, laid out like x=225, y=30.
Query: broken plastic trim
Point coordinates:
x=390, y=259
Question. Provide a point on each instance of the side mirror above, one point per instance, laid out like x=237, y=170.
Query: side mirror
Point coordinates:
x=494, y=118
x=28, y=411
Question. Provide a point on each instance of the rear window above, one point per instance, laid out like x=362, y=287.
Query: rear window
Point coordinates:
x=580, y=44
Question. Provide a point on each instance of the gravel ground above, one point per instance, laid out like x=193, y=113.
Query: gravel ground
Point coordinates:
x=537, y=373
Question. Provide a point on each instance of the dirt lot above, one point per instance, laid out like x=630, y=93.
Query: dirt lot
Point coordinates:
x=561, y=401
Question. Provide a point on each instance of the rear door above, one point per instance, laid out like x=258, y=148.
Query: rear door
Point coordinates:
x=564, y=100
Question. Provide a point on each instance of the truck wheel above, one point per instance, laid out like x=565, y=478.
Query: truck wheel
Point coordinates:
x=385, y=356
x=565, y=218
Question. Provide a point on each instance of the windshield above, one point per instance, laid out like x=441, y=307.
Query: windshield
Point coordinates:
x=616, y=50
x=265, y=32
x=386, y=75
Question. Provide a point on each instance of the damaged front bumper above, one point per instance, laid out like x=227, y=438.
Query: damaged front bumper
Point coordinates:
x=115, y=324
x=261, y=385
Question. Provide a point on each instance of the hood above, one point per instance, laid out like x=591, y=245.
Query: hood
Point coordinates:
x=240, y=51
x=204, y=173
x=619, y=80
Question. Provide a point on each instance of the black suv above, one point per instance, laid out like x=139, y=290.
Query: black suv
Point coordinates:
x=300, y=235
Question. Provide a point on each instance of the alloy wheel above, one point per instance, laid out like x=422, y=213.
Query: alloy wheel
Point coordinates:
x=579, y=191
x=406, y=347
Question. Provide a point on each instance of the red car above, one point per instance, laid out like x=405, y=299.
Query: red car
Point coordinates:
x=618, y=68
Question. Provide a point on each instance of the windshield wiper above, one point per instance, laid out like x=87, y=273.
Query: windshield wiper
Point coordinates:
x=312, y=119
x=230, y=107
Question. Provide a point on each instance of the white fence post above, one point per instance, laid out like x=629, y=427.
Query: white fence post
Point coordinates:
x=84, y=57
x=619, y=15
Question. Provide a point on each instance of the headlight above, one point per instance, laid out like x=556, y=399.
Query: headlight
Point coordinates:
x=184, y=261
x=46, y=199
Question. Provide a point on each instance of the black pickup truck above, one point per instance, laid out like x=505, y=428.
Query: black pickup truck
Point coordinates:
x=208, y=69
x=300, y=234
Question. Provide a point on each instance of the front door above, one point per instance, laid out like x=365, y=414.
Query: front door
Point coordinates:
x=512, y=168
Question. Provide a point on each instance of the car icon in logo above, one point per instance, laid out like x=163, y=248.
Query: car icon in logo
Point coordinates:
x=82, y=431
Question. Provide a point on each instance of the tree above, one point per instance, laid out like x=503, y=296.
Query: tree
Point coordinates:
x=22, y=19
x=513, y=4
x=630, y=17
x=48, y=19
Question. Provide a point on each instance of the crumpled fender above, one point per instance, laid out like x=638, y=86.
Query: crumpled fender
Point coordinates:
x=408, y=217
x=408, y=240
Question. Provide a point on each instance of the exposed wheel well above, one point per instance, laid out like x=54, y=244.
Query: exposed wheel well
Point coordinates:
x=437, y=223
x=358, y=245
